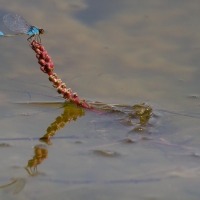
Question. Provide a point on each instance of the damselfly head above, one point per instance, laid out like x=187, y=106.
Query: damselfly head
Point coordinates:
x=41, y=31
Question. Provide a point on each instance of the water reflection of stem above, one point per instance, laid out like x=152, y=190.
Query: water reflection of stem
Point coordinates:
x=40, y=154
x=131, y=116
x=70, y=113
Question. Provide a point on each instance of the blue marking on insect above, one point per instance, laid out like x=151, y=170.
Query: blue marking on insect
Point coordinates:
x=20, y=26
x=33, y=30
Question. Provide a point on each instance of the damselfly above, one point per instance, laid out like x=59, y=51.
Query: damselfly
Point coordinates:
x=20, y=26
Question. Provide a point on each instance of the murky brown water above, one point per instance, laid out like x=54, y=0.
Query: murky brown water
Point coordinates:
x=118, y=53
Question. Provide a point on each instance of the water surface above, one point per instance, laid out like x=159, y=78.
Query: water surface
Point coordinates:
x=113, y=52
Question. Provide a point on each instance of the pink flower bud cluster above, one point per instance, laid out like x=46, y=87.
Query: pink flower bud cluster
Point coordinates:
x=47, y=66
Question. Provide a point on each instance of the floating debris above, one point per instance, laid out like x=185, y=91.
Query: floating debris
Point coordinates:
x=4, y=145
x=106, y=153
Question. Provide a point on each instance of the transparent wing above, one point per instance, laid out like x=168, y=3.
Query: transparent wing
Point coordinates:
x=14, y=187
x=16, y=23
